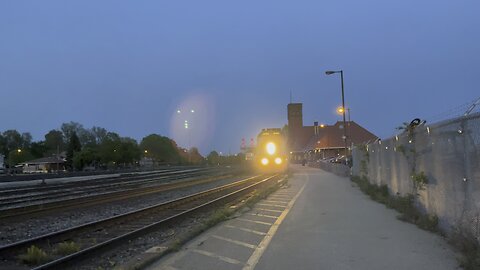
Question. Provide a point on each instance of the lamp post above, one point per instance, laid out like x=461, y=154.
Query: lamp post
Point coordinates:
x=330, y=72
x=186, y=125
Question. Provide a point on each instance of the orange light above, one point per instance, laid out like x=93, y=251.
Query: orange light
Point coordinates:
x=340, y=110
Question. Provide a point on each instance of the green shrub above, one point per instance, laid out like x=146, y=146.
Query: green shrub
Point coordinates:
x=66, y=248
x=403, y=204
x=468, y=245
x=34, y=256
x=420, y=180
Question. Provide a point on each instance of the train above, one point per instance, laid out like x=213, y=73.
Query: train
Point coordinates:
x=271, y=151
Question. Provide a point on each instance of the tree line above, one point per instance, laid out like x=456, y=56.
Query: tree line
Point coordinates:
x=95, y=147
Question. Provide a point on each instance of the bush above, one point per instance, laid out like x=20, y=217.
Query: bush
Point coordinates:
x=420, y=180
x=34, y=256
x=66, y=248
x=469, y=247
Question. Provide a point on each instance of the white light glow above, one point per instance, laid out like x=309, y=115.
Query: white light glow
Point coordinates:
x=271, y=148
x=278, y=161
x=264, y=161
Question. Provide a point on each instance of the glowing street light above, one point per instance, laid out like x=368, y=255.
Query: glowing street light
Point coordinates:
x=185, y=123
x=340, y=110
x=19, y=150
x=180, y=111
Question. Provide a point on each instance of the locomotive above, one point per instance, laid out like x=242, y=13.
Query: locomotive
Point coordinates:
x=271, y=151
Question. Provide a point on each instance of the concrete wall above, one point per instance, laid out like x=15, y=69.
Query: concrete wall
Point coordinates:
x=448, y=153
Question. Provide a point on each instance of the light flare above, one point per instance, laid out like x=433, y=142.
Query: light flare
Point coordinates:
x=271, y=148
x=264, y=161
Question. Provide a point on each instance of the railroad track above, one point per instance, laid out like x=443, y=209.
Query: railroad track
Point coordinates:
x=106, y=197
x=114, y=180
x=57, y=193
x=93, y=236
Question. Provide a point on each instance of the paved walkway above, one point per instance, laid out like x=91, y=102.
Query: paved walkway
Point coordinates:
x=321, y=222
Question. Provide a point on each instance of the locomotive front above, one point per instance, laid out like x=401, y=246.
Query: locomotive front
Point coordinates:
x=270, y=151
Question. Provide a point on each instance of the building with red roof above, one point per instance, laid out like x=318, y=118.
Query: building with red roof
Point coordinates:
x=321, y=141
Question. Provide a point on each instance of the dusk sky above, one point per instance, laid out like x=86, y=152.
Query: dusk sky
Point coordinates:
x=128, y=66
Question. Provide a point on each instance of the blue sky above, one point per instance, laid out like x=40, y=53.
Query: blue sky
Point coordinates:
x=129, y=65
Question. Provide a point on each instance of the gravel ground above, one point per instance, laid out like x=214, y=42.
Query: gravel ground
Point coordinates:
x=44, y=194
x=123, y=254
x=13, y=231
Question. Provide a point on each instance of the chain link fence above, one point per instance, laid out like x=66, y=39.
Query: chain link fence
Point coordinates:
x=438, y=163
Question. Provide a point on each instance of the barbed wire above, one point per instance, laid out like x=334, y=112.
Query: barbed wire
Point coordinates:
x=472, y=106
x=455, y=111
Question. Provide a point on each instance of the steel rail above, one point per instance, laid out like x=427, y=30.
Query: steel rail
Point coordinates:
x=128, y=216
x=100, y=198
x=62, y=192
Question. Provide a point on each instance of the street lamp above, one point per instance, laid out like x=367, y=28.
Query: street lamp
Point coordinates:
x=186, y=123
x=340, y=110
x=330, y=72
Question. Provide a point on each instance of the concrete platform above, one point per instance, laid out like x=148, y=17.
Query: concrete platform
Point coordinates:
x=321, y=222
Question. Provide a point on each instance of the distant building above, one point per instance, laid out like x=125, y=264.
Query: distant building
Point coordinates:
x=147, y=162
x=43, y=165
x=321, y=141
x=2, y=163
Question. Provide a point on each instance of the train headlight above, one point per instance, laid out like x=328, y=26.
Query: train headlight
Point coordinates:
x=271, y=148
x=278, y=161
x=264, y=161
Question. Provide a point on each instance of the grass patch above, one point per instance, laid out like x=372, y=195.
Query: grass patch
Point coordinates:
x=66, y=248
x=34, y=256
x=403, y=204
x=376, y=193
x=466, y=244
x=469, y=247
